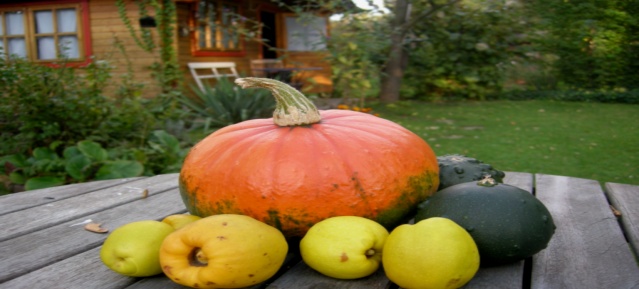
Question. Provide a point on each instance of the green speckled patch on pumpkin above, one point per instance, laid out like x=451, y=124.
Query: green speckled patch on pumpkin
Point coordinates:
x=420, y=187
x=190, y=200
x=274, y=219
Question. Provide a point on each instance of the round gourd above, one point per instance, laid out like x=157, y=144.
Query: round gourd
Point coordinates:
x=305, y=165
x=507, y=223
x=456, y=169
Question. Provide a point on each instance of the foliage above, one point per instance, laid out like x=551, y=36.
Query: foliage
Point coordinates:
x=46, y=111
x=167, y=71
x=594, y=41
x=355, y=52
x=462, y=52
x=354, y=48
x=227, y=104
x=42, y=104
x=84, y=161
x=603, y=96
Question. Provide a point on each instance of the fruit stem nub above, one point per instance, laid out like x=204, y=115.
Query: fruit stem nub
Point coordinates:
x=197, y=258
x=370, y=252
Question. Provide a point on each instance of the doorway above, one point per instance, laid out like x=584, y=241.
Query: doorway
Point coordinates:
x=269, y=34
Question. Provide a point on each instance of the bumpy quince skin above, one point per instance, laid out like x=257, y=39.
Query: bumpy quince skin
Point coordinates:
x=178, y=221
x=223, y=251
x=435, y=253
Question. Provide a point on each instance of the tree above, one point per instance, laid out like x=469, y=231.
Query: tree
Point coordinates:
x=595, y=41
x=404, y=19
x=466, y=50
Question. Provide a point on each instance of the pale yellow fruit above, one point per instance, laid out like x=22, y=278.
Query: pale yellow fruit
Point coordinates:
x=178, y=221
x=133, y=249
x=344, y=247
x=435, y=253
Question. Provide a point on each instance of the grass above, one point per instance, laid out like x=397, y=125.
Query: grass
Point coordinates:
x=579, y=139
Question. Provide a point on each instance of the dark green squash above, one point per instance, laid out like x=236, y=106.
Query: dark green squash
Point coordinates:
x=507, y=223
x=456, y=169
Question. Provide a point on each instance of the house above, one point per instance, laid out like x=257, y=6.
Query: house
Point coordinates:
x=88, y=29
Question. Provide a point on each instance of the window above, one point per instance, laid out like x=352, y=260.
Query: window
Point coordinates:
x=42, y=33
x=217, y=28
x=305, y=34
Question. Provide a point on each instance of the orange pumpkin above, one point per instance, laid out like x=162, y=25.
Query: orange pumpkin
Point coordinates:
x=305, y=165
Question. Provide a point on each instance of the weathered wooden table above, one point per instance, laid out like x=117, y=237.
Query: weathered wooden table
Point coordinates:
x=43, y=243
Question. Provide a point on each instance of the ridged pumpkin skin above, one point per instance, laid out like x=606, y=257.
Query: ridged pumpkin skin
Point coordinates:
x=349, y=163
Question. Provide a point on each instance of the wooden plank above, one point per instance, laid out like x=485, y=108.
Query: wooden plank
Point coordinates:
x=625, y=199
x=23, y=200
x=81, y=271
x=161, y=281
x=44, y=216
x=523, y=181
x=67, y=239
x=303, y=277
x=498, y=277
x=588, y=249
x=506, y=276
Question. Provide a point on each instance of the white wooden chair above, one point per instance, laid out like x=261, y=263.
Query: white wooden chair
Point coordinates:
x=200, y=70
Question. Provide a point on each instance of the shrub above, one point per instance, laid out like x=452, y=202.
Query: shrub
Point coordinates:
x=48, y=115
x=42, y=104
x=604, y=96
x=84, y=161
x=464, y=50
x=228, y=104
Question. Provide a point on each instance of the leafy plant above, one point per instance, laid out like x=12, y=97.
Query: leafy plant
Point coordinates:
x=228, y=104
x=166, y=71
x=355, y=53
x=86, y=160
x=463, y=51
x=164, y=153
x=594, y=41
x=42, y=104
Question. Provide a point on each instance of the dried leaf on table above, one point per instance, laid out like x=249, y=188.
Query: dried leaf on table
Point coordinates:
x=95, y=227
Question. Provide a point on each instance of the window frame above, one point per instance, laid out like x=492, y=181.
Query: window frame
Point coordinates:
x=195, y=48
x=82, y=30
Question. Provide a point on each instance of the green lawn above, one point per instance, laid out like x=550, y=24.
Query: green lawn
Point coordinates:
x=588, y=140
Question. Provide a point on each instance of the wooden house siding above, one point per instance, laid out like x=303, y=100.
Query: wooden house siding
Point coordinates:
x=251, y=9
x=107, y=30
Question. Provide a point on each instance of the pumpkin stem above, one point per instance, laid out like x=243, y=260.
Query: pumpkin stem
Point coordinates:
x=292, y=108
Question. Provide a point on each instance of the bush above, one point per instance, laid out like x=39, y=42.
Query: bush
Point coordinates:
x=51, y=116
x=228, y=104
x=463, y=51
x=595, y=41
x=42, y=104
x=84, y=161
x=604, y=96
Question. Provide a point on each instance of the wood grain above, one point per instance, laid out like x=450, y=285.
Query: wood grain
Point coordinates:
x=588, y=249
x=43, y=216
x=23, y=200
x=625, y=199
x=32, y=251
x=303, y=277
